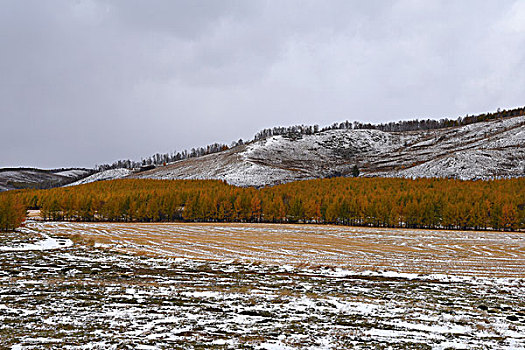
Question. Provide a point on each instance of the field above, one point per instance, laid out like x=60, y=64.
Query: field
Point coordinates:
x=165, y=286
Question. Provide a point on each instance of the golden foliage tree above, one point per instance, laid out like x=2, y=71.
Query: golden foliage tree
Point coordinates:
x=12, y=212
x=421, y=203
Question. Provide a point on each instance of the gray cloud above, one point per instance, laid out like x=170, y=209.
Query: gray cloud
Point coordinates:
x=86, y=82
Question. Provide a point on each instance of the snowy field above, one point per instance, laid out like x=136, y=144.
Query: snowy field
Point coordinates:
x=224, y=286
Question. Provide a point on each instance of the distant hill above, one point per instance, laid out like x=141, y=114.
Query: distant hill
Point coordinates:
x=20, y=178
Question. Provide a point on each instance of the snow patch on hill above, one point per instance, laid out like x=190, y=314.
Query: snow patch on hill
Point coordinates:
x=494, y=149
x=467, y=165
x=110, y=174
x=74, y=172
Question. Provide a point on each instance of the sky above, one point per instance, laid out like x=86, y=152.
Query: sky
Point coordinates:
x=86, y=82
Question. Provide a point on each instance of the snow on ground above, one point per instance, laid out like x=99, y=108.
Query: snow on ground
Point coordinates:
x=280, y=159
x=88, y=298
x=412, y=251
x=479, y=151
x=110, y=174
x=466, y=165
x=45, y=244
x=228, y=166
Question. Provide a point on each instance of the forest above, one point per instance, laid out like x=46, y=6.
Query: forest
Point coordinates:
x=378, y=202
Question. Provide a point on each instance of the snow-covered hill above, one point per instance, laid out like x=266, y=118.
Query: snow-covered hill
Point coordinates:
x=17, y=178
x=493, y=149
x=482, y=150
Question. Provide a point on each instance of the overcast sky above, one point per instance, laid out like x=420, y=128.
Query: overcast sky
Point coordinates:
x=84, y=82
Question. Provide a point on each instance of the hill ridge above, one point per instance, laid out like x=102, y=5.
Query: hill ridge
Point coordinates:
x=483, y=150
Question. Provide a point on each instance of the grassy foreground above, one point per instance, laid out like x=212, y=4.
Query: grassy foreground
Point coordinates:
x=90, y=296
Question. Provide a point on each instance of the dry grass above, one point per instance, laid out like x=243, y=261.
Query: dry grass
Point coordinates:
x=416, y=251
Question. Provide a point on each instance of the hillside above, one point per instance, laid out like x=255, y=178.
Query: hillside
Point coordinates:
x=18, y=178
x=483, y=150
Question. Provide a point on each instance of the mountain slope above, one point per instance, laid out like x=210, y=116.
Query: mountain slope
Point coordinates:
x=482, y=150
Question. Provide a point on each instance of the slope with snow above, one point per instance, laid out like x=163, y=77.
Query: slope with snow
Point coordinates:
x=483, y=150
x=486, y=150
x=280, y=159
x=110, y=174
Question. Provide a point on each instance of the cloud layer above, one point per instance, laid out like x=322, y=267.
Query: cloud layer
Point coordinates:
x=92, y=81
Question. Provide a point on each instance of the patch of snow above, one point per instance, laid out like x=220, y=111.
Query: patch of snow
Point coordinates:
x=46, y=244
x=73, y=172
x=276, y=345
x=110, y=174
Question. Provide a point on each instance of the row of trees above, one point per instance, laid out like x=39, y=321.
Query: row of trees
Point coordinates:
x=420, y=203
x=404, y=125
x=161, y=159
x=431, y=124
x=287, y=130
x=12, y=213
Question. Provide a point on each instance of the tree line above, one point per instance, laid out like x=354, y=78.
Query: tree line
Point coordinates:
x=431, y=124
x=400, y=126
x=378, y=202
x=163, y=159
